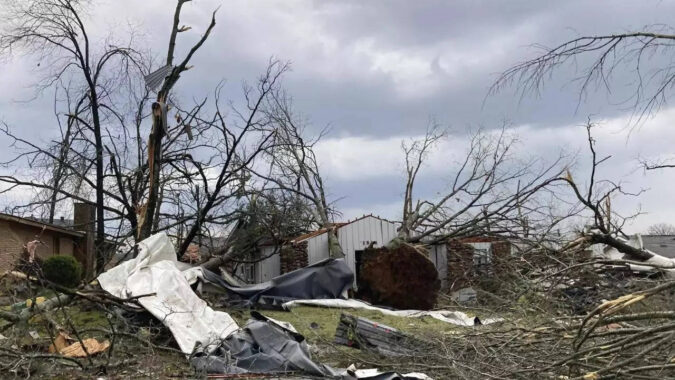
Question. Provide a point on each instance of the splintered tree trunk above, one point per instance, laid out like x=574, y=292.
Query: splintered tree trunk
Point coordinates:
x=400, y=276
x=147, y=212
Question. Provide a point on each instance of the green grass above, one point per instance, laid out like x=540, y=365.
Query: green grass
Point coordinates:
x=320, y=323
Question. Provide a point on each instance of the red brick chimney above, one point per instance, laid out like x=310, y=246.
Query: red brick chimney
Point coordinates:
x=85, y=220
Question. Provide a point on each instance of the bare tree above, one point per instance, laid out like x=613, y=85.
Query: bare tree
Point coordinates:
x=607, y=224
x=606, y=54
x=189, y=179
x=661, y=229
x=235, y=156
x=159, y=118
x=56, y=32
x=293, y=165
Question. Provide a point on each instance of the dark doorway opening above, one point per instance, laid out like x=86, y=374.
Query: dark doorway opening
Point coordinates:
x=358, y=261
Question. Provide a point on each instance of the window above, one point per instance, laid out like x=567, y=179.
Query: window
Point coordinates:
x=482, y=257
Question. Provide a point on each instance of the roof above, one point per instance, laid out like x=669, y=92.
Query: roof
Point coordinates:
x=663, y=245
x=318, y=232
x=337, y=226
x=38, y=224
x=62, y=222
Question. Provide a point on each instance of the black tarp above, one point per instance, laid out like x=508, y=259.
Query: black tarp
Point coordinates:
x=266, y=346
x=262, y=346
x=327, y=279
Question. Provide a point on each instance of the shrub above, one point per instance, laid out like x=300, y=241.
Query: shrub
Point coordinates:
x=63, y=270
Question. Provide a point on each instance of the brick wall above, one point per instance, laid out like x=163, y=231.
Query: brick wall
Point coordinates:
x=293, y=256
x=13, y=236
x=461, y=271
x=460, y=265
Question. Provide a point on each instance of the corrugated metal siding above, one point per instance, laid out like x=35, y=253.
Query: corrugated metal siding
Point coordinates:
x=352, y=237
x=317, y=248
x=358, y=235
x=268, y=268
x=438, y=254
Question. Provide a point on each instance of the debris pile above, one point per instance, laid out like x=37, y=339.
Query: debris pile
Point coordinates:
x=211, y=339
x=365, y=334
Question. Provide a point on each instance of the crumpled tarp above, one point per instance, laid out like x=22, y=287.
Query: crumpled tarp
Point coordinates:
x=167, y=295
x=330, y=278
x=262, y=346
x=268, y=346
x=455, y=317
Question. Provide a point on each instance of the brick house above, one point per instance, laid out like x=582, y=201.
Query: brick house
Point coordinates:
x=57, y=238
x=472, y=257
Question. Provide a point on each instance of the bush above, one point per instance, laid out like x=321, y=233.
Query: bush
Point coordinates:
x=63, y=270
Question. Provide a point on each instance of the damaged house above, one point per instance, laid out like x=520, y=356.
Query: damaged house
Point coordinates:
x=457, y=261
x=462, y=261
x=354, y=237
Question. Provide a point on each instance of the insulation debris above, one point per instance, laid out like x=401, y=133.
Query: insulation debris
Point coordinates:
x=454, y=317
x=164, y=291
x=92, y=346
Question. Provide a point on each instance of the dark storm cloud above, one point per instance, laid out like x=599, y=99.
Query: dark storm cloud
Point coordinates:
x=351, y=59
x=378, y=69
x=383, y=67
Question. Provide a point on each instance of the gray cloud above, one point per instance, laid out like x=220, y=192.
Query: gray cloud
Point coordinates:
x=373, y=68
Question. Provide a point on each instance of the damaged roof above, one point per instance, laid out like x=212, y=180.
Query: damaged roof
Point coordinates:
x=337, y=226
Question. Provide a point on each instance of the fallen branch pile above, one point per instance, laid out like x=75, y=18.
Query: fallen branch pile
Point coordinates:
x=612, y=341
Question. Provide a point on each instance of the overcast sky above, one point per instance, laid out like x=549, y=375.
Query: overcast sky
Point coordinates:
x=377, y=71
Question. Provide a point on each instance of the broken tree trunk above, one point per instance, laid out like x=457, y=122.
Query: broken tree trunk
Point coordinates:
x=145, y=220
x=398, y=276
x=334, y=248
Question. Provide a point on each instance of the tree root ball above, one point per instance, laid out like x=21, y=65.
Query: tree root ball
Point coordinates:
x=401, y=277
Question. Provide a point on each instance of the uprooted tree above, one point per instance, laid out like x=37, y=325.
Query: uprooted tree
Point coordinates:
x=651, y=89
x=607, y=224
x=490, y=191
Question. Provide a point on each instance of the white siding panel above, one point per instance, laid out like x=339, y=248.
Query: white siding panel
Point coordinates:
x=376, y=228
x=268, y=268
x=350, y=233
x=344, y=240
x=317, y=248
